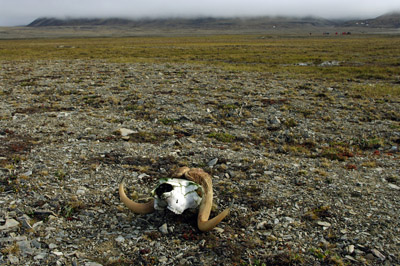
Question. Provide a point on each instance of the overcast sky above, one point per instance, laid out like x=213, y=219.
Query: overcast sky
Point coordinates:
x=22, y=12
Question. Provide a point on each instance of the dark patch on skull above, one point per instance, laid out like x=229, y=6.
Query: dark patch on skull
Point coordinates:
x=161, y=189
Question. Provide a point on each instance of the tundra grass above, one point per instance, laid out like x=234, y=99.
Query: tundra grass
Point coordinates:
x=363, y=59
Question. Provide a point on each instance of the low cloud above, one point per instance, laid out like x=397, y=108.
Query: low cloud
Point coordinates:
x=20, y=12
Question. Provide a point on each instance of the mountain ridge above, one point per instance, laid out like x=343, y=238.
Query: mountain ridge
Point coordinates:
x=202, y=22
x=389, y=20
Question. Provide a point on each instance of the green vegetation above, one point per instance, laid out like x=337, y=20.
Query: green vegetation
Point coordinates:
x=361, y=58
x=223, y=137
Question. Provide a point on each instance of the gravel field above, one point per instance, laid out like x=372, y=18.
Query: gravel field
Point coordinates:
x=309, y=169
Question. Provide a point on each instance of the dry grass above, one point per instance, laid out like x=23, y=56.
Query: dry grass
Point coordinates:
x=362, y=59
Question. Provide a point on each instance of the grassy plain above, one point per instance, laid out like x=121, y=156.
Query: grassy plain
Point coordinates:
x=371, y=62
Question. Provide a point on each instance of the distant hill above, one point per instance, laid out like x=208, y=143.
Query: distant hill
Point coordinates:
x=198, y=23
x=51, y=22
x=390, y=20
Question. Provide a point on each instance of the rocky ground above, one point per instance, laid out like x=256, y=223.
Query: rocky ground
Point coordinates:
x=310, y=170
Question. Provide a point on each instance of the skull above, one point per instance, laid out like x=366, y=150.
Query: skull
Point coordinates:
x=177, y=195
x=180, y=194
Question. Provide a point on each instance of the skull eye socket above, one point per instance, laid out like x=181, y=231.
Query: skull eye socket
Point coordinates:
x=163, y=188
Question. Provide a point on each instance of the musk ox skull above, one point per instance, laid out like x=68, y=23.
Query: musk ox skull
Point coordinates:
x=178, y=195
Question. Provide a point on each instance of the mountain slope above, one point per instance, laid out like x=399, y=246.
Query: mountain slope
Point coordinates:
x=205, y=23
x=389, y=20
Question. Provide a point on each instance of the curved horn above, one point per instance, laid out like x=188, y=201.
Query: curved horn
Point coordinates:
x=140, y=208
x=199, y=176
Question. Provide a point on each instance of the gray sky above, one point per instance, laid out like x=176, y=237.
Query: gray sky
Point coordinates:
x=22, y=12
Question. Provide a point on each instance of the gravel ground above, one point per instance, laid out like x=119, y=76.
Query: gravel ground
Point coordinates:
x=310, y=170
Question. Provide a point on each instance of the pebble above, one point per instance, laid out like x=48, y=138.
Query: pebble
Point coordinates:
x=394, y=149
x=40, y=256
x=324, y=224
x=350, y=249
x=378, y=254
x=25, y=247
x=10, y=224
x=124, y=132
x=36, y=244
x=143, y=175
x=163, y=259
x=350, y=258
x=25, y=223
x=92, y=263
x=13, y=259
x=261, y=225
x=275, y=121
x=120, y=239
x=394, y=186
x=57, y=253
x=219, y=230
x=288, y=219
x=80, y=191
x=163, y=229
x=213, y=162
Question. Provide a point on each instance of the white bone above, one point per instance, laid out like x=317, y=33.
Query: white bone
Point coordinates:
x=177, y=195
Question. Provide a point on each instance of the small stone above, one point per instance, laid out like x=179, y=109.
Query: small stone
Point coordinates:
x=25, y=223
x=394, y=149
x=27, y=173
x=40, y=256
x=13, y=259
x=350, y=258
x=92, y=263
x=163, y=229
x=80, y=191
x=261, y=225
x=275, y=121
x=125, y=132
x=171, y=229
x=25, y=247
x=10, y=224
x=37, y=224
x=394, y=186
x=324, y=224
x=289, y=219
x=350, y=249
x=44, y=213
x=213, y=162
x=378, y=254
x=218, y=230
x=163, y=259
x=52, y=246
x=36, y=244
x=120, y=239
x=191, y=140
x=57, y=253
x=370, y=256
x=143, y=175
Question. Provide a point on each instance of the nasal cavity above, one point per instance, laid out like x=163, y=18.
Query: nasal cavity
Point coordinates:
x=163, y=188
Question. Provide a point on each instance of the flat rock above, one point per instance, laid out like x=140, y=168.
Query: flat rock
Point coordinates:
x=324, y=224
x=10, y=224
x=124, y=132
